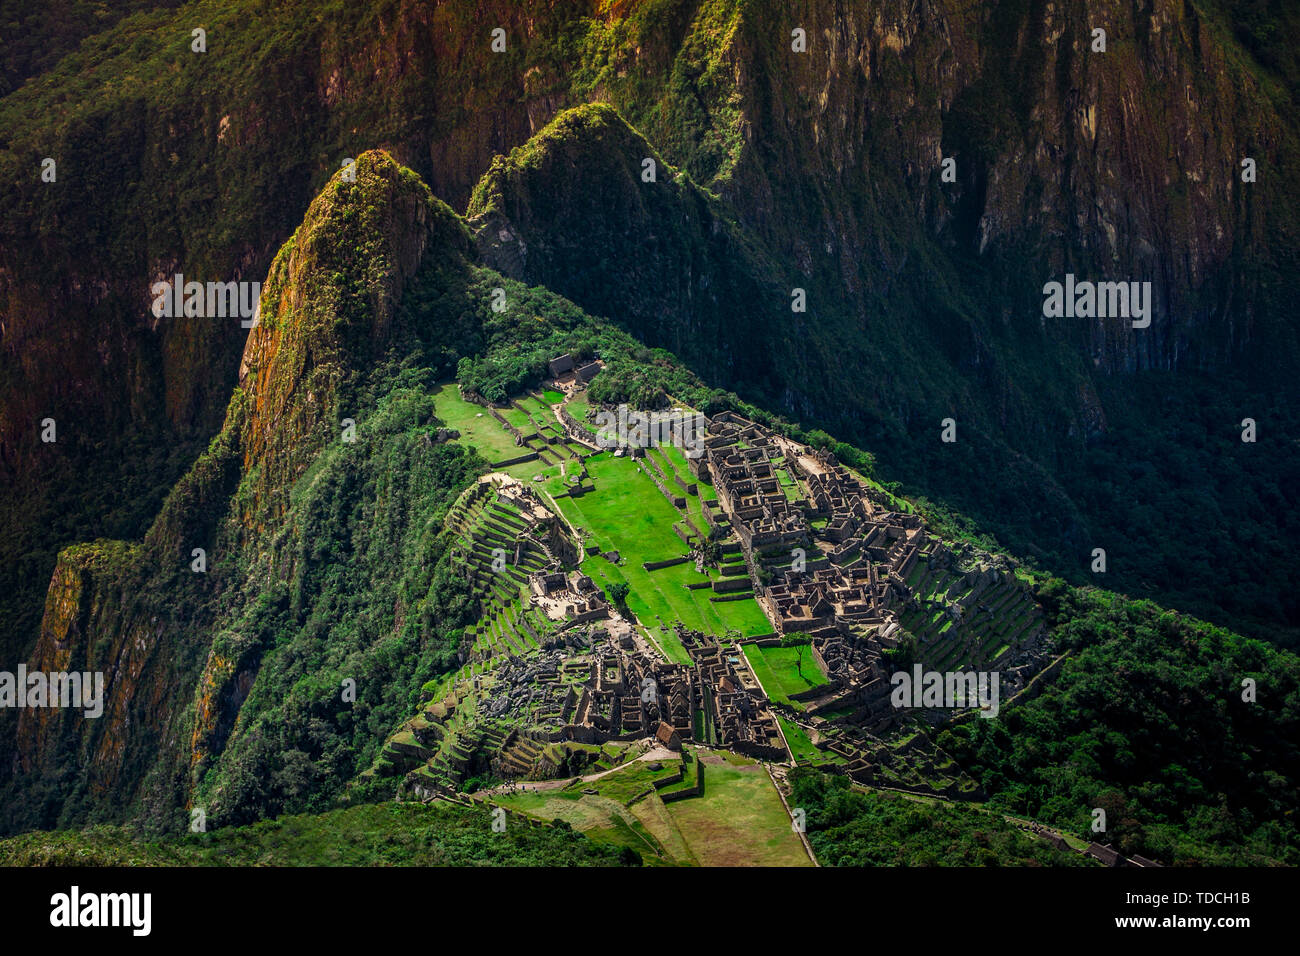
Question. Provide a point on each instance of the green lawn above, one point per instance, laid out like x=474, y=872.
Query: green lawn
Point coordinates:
x=739, y=821
x=539, y=409
x=602, y=820
x=476, y=426
x=834, y=713
x=690, y=765
x=604, y=816
x=695, y=514
x=777, y=669
x=658, y=600
x=671, y=645
x=519, y=419
x=668, y=467
x=578, y=408
x=627, y=513
x=631, y=780
x=789, y=486
x=677, y=457
x=525, y=471
x=800, y=746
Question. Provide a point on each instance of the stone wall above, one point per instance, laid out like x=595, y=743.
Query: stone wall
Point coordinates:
x=657, y=565
x=728, y=585
x=695, y=791
x=531, y=456
x=677, y=501
x=573, y=428
x=518, y=435
x=821, y=690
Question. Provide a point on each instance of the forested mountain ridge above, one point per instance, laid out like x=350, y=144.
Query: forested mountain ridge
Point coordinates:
x=923, y=295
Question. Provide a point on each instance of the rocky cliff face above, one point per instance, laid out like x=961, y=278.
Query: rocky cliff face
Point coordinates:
x=1121, y=165
x=591, y=209
x=87, y=627
x=925, y=298
x=1122, y=162
x=1117, y=164
x=173, y=161
x=324, y=561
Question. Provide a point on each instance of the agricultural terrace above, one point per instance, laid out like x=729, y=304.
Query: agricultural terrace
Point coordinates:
x=740, y=819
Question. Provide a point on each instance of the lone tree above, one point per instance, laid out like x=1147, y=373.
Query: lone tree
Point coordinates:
x=800, y=646
x=618, y=592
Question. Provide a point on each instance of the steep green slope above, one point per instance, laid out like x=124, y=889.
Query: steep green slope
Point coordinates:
x=570, y=210
x=243, y=665
x=851, y=828
x=325, y=561
x=1059, y=464
x=1150, y=722
x=34, y=39
x=378, y=835
x=172, y=161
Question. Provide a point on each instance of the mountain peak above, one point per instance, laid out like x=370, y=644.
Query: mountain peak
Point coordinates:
x=328, y=307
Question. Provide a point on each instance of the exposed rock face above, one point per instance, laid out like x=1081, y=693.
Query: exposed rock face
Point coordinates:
x=295, y=362
x=572, y=211
x=204, y=165
x=95, y=621
x=1124, y=163
x=1120, y=165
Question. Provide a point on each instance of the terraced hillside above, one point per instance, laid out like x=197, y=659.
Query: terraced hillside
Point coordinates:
x=499, y=543
x=787, y=659
x=430, y=575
